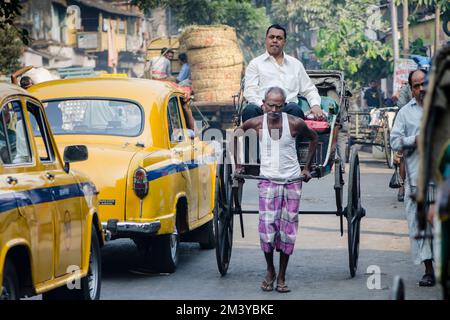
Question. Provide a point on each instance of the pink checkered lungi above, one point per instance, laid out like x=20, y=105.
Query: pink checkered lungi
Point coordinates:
x=278, y=215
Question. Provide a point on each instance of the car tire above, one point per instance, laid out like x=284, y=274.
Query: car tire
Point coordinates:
x=165, y=250
x=10, y=285
x=90, y=285
x=210, y=242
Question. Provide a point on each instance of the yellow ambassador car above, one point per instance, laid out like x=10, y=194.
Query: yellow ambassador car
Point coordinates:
x=50, y=235
x=155, y=178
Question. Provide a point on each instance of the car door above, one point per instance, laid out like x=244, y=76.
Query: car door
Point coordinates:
x=182, y=153
x=203, y=157
x=65, y=192
x=24, y=181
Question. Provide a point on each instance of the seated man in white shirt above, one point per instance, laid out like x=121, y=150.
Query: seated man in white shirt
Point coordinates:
x=276, y=69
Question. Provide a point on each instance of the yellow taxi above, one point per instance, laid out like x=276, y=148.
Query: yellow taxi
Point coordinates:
x=155, y=177
x=50, y=234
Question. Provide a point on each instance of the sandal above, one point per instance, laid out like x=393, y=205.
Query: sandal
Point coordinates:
x=282, y=288
x=268, y=285
x=428, y=280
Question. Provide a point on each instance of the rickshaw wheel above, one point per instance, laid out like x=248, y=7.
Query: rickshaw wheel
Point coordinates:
x=338, y=184
x=354, y=211
x=398, y=289
x=223, y=217
x=347, y=149
x=389, y=153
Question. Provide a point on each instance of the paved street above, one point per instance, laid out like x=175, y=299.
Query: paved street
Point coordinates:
x=317, y=270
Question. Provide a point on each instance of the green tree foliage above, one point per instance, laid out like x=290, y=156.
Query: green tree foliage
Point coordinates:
x=10, y=50
x=250, y=22
x=343, y=45
x=444, y=5
x=298, y=17
x=9, y=11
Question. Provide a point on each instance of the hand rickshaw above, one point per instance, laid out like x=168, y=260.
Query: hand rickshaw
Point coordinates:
x=362, y=131
x=229, y=187
x=434, y=152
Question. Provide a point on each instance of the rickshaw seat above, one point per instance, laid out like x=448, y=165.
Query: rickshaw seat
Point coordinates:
x=318, y=126
x=327, y=104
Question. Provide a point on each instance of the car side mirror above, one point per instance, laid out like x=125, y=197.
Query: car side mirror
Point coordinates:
x=74, y=154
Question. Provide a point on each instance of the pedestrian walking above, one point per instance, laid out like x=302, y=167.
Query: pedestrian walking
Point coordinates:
x=405, y=134
x=279, y=201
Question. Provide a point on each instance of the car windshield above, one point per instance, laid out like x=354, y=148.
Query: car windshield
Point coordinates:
x=96, y=117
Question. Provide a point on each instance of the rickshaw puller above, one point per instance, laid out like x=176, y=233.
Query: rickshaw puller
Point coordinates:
x=279, y=202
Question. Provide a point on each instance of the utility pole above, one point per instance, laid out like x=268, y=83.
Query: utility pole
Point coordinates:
x=437, y=30
x=405, y=28
x=394, y=30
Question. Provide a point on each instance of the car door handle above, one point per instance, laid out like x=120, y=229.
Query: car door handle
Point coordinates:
x=12, y=180
x=50, y=176
x=178, y=152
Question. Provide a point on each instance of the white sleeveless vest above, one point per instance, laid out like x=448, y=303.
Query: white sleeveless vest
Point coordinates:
x=278, y=157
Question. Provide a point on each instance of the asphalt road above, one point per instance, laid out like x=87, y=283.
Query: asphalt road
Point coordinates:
x=318, y=269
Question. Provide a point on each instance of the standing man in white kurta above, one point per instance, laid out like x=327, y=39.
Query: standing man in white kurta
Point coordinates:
x=405, y=133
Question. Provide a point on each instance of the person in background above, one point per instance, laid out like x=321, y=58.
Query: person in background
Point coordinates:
x=404, y=137
x=25, y=81
x=404, y=95
x=184, y=77
x=373, y=97
x=159, y=67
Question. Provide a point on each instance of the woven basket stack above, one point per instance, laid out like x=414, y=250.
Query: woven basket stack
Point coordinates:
x=215, y=60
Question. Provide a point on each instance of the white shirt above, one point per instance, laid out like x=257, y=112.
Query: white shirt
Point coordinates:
x=264, y=72
x=406, y=128
x=160, y=67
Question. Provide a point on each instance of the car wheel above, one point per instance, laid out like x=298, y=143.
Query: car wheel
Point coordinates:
x=10, y=287
x=165, y=252
x=210, y=242
x=89, y=286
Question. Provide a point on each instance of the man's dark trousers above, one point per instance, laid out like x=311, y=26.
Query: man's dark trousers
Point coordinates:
x=252, y=111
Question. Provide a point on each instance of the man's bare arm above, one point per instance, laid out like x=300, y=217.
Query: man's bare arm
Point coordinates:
x=18, y=73
x=190, y=121
x=238, y=132
x=303, y=130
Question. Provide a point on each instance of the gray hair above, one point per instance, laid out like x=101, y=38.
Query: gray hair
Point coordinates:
x=276, y=90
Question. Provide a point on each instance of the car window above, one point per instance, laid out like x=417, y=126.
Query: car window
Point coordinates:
x=14, y=143
x=90, y=117
x=41, y=133
x=176, y=133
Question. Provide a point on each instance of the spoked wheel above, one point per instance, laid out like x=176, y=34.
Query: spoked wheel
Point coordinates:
x=223, y=217
x=339, y=190
x=398, y=289
x=338, y=184
x=347, y=150
x=354, y=212
x=389, y=153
